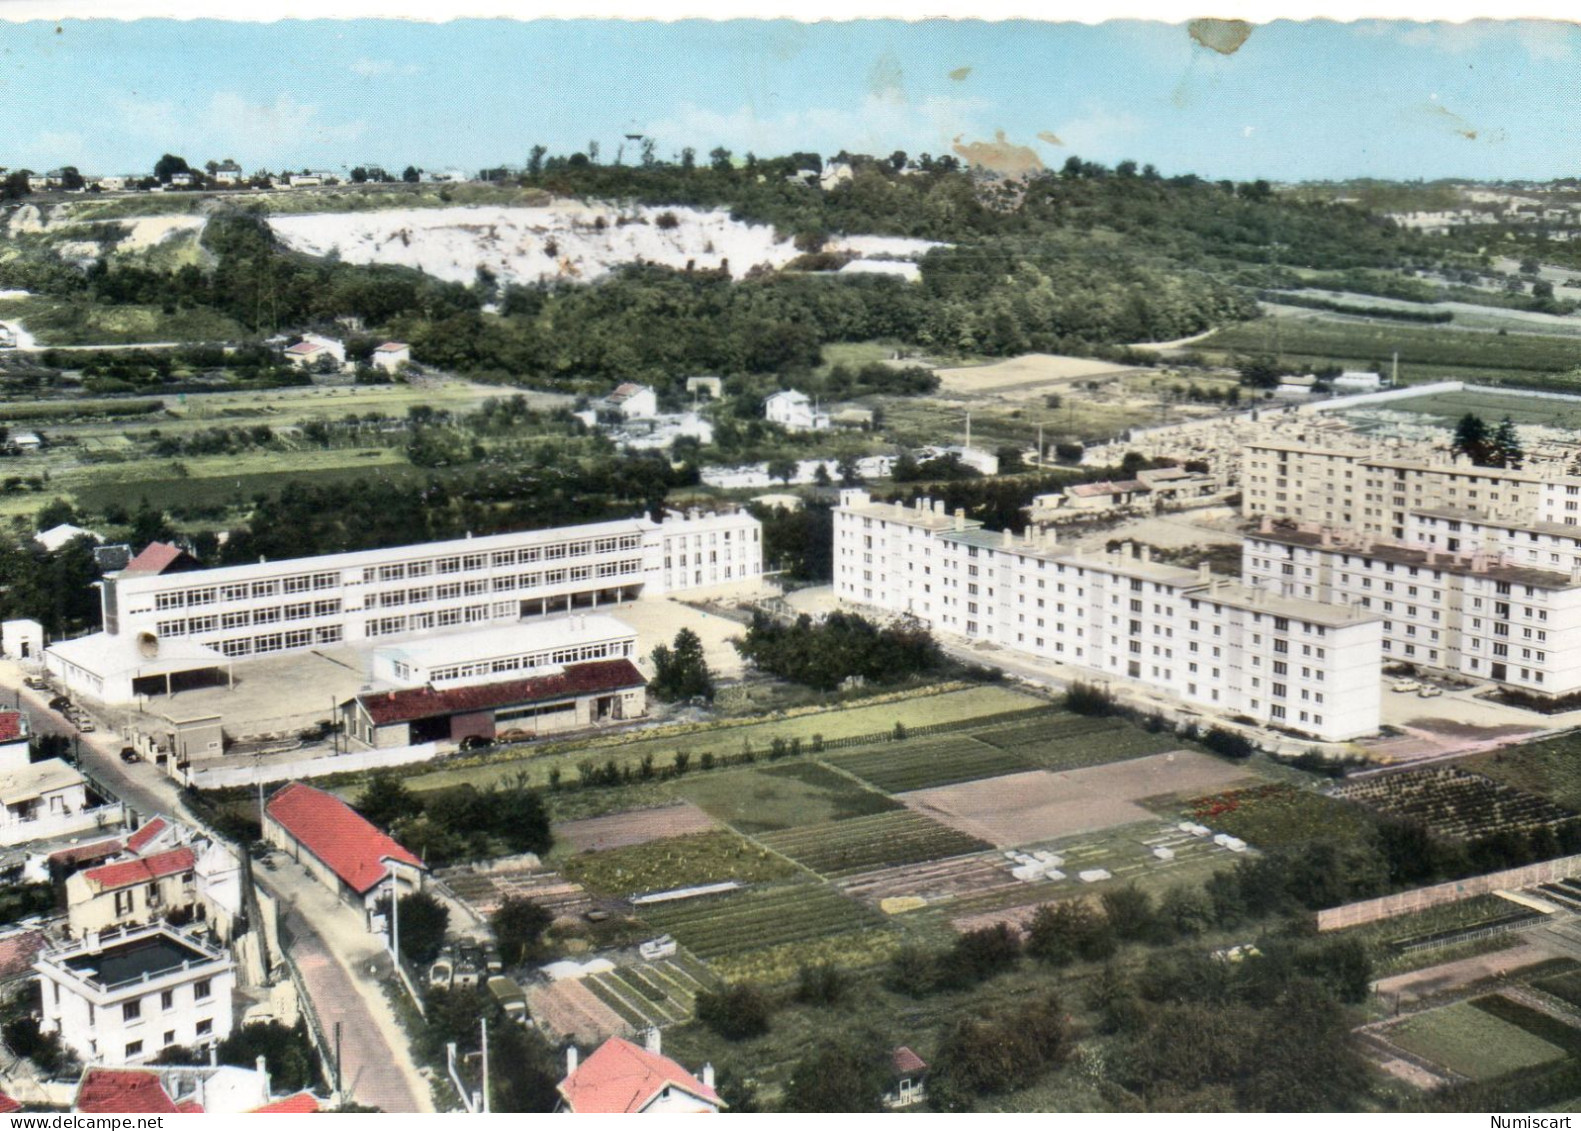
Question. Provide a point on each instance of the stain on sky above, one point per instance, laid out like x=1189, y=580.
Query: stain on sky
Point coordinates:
x=1051, y=137
x=1223, y=36
x=999, y=156
x=1458, y=125
x=960, y=73
x=886, y=79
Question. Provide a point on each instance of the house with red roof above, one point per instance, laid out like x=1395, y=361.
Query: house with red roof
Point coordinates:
x=908, y=1079
x=631, y=401
x=184, y=1089
x=123, y=1091
x=159, y=558
x=575, y=696
x=8, y=1105
x=622, y=1078
x=163, y=871
x=18, y=949
x=340, y=847
x=392, y=357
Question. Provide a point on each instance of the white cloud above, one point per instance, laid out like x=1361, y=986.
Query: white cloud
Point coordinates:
x=230, y=124
x=879, y=123
x=1541, y=39
x=380, y=68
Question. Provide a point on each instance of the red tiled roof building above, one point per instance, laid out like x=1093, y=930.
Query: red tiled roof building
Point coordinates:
x=621, y=1077
x=337, y=844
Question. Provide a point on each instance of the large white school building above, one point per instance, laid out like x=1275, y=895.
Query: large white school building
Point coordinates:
x=1306, y=665
x=168, y=623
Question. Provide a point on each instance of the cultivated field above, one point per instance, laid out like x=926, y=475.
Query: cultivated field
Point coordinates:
x=925, y=762
x=1039, y=806
x=1471, y=1042
x=484, y=889
x=716, y=926
x=1550, y=768
x=677, y=862
x=1278, y=813
x=653, y=993
x=1454, y=803
x=639, y=826
x=841, y=848
x=1450, y=407
x=570, y=1011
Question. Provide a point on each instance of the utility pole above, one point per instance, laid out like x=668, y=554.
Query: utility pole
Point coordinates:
x=484, y=1022
x=337, y=1064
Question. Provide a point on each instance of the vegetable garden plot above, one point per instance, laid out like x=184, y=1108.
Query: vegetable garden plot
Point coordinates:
x=1278, y=813
x=1455, y=803
x=733, y=924
x=678, y=861
x=1073, y=742
x=923, y=763
x=1467, y=1040
x=841, y=848
x=655, y=993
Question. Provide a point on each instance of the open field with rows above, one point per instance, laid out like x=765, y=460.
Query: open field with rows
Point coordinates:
x=719, y=925
x=843, y=847
x=1073, y=742
x=699, y=858
x=1450, y=407
x=1279, y=813
x=1471, y=1042
x=1452, y=802
x=484, y=890
x=1426, y=353
x=636, y=827
x=924, y=762
x=654, y=993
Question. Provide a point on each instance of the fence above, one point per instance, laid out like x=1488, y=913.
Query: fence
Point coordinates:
x=62, y=824
x=1420, y=899
x=219, y=777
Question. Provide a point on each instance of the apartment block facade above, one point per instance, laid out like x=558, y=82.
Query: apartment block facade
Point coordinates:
x=1241, y=650
x=1447, y=604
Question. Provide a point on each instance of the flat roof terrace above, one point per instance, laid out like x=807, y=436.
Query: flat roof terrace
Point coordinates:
x=136, y=955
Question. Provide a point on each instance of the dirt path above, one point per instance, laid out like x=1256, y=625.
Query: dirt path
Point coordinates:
x=1404, y=989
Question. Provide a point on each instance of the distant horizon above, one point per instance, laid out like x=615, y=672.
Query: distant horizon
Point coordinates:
x=1295, y=103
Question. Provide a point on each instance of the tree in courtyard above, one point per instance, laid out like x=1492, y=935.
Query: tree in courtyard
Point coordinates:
x=423, y=920
x=1472, y=439
x=681, y=669
x=519, y=925
x=386, y=800
x=1506, y=444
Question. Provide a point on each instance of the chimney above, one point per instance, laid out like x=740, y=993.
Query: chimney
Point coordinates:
x=651, y=1040
x=570, y=1060
x=1146, y=552
x=263, y=1070
x=1007, y=539
x=1265, y=525
x=708, y=1075
x=960, y=518
x=1203, y=572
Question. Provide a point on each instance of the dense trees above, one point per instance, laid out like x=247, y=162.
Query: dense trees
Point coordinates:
x=1488, y=447
x=825, y=654
x=464, y=823
x=680, y=671
x=422, y=924
x=519, y=925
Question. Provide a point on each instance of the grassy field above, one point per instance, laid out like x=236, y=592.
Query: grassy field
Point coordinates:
x=781, y=797
x=1472, y=1042
x=842, y=722
x=1550, y=768
x=1073, y=742
x=697, y=859
x=846, y=847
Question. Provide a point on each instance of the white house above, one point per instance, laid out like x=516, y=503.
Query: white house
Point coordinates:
x=228, y=172
x=124, y=996
x=632, y=402
x=22, y=640
x=57, y=536
x=163, y=867
x=794, y=411
x=313, y=349
x=392, y=356
x=1294, y=386
x=1354, y=381
x=42, y=799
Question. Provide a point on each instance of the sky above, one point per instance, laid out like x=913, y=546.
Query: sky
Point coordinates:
x=1296, y=101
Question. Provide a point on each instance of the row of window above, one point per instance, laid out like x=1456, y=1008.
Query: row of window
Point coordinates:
x=245, y=618
x=529, y=661
x=244, y=591
x=499, y=559
x=267, y=642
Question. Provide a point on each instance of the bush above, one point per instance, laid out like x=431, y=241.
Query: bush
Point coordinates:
x=736, y=1013
x=821, y=985
x=1229, y=743
x=1090, y=699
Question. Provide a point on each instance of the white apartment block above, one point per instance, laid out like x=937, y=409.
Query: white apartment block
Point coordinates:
x=1278, y=659
x=120, y=998
x=168, y=620
x=1450, y=605
x=1341, y=484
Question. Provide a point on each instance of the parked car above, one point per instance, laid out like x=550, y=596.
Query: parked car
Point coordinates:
x=476, y=742
x=37, y=682
x=128, y=754
x=59, y=703
x=1407, y=685
x=1429, y=691
x=84, y=725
